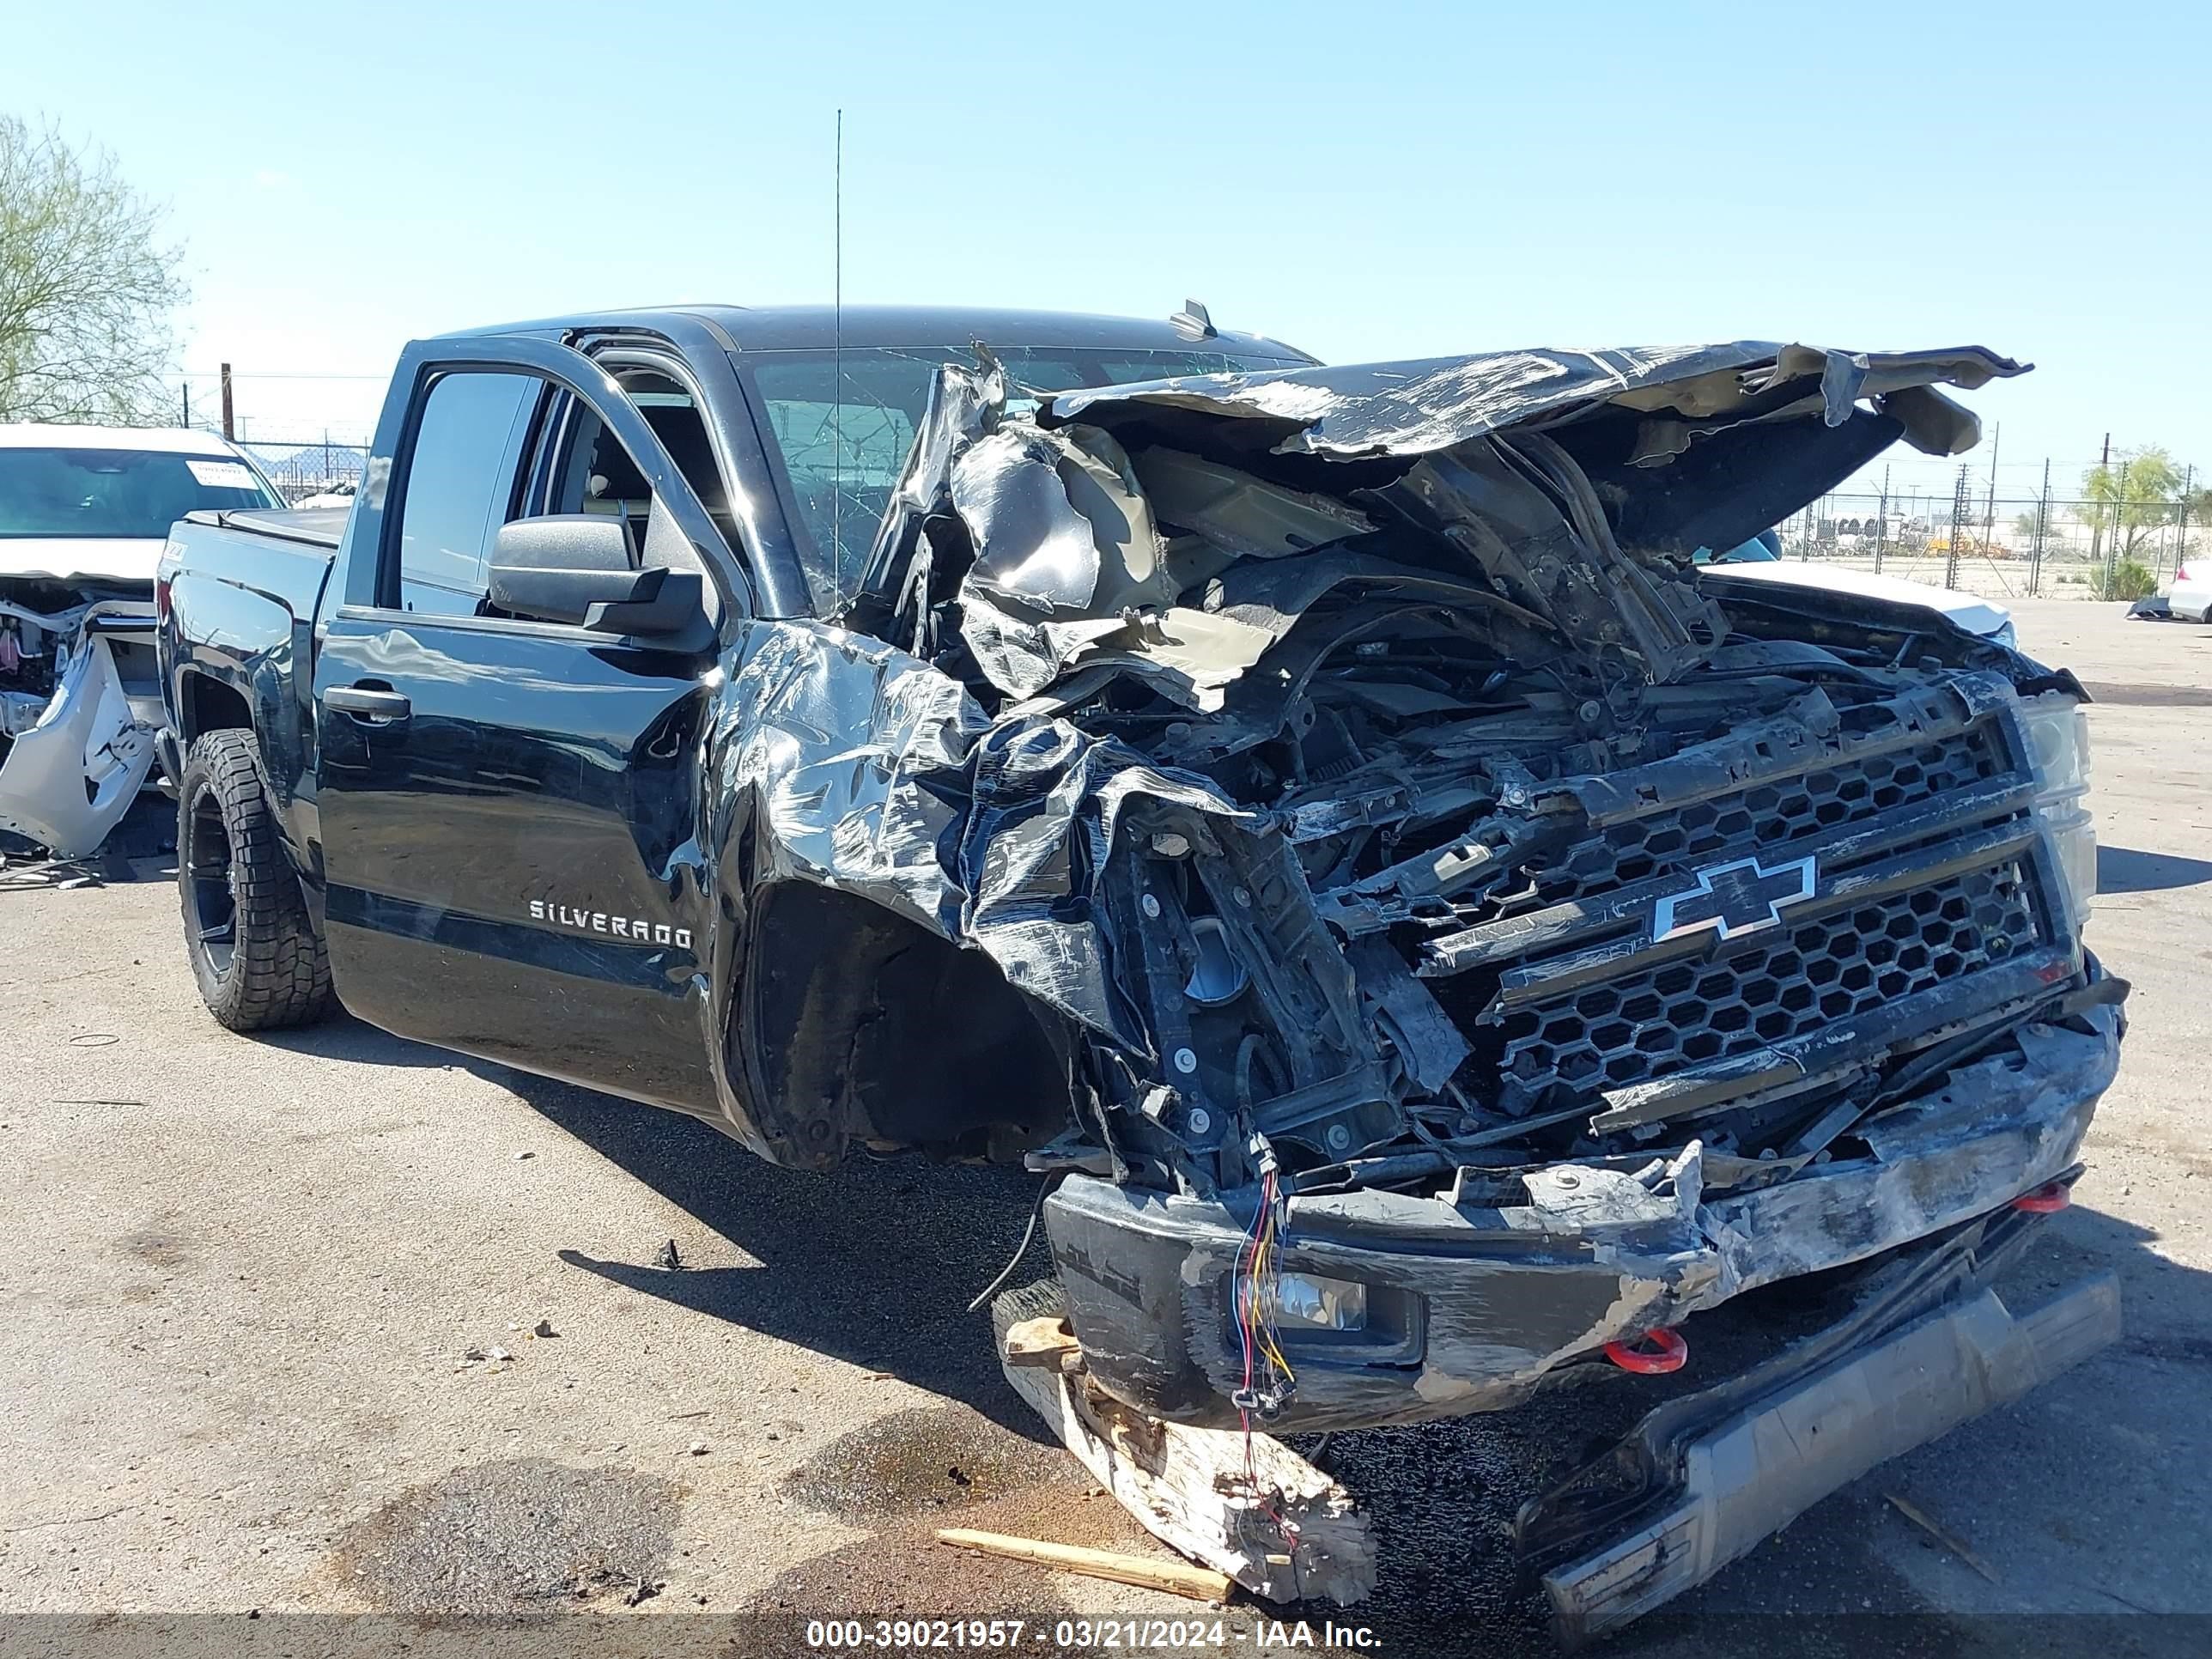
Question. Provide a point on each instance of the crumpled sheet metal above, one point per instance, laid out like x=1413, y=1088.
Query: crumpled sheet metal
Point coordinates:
x=69, y=780
x=881, y=777
x=1432, y=403
x=1071, y=571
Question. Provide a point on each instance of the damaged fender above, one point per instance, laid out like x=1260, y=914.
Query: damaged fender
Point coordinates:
x=993, y=837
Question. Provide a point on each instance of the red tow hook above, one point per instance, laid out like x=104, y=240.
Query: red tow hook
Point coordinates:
x=1667, y=1352
x=2049, y=1198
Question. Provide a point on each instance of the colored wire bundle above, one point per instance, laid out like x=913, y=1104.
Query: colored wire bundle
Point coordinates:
x=1260, y=1283
x=1269, y=1376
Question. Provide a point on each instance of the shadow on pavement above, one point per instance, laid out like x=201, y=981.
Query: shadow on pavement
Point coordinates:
x=2127, y=870
x=873, y=1263
x=344, y=1037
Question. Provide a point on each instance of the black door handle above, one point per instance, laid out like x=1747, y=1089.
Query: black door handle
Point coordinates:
x=372, y=703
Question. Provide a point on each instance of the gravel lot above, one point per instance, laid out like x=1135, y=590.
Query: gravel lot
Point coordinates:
x=243, y=1280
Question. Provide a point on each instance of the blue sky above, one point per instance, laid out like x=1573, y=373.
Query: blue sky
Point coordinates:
x=1366, y=181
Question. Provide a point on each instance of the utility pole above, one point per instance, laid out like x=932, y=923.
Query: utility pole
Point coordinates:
x=184, y=392
x=2097, y=519
x=229, y=431
x=2112, y=547
x=1989, y=507
x=1961, y=505
x=2181, y=518
x=1881, y=523
x=2042, y=529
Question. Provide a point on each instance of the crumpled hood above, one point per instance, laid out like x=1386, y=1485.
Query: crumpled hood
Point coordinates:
x=1576, y=482
x=1974, y=614
x=1353, y=411
x=82, y=558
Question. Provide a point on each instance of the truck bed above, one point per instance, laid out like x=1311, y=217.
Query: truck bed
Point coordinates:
x=320, y=527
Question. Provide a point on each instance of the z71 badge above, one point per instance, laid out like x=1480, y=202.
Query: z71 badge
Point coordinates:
x=598, y=921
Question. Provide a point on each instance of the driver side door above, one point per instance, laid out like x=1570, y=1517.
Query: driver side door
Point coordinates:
x=510, y=804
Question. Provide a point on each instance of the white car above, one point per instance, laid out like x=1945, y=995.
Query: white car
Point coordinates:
x=338, y=496
x=1756, y=561
x=84, y=512
x=2191, y=596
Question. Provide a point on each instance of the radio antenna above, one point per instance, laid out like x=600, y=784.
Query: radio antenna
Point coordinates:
x=837, y=358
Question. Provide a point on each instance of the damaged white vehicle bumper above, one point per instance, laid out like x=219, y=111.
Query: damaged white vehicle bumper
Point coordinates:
x=75, y=761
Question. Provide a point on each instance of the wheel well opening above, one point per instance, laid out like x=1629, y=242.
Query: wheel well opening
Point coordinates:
x=211, y=706
x=864, y=1025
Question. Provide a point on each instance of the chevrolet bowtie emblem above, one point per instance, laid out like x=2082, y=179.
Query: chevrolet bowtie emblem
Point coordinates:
x=1741, y=897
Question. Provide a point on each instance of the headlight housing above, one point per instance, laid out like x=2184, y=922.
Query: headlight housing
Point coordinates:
x=2058, y=749
x=1323, y=1305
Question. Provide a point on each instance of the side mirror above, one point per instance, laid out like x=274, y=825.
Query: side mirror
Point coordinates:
x=577, y=568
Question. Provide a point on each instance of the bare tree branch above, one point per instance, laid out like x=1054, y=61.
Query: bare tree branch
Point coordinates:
x=89, y=293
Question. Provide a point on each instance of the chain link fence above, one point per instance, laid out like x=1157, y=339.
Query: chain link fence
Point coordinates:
x=304, y=469
x=2005, y=548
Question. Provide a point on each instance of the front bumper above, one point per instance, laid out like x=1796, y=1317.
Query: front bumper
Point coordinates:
x=1472, y=1309
x=1726, y=1469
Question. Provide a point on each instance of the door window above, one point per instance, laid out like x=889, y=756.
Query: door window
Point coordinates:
x=460, y=488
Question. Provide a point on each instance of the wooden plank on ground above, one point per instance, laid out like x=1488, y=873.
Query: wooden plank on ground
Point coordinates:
x=1190, y=1489
x=1176, y=1578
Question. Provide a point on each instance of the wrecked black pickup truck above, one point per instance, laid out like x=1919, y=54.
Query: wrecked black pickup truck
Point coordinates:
x=1432, y=937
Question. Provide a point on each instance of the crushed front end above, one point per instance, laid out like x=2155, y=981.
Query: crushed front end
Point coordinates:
x=1780, y=1000
x=1471, y=936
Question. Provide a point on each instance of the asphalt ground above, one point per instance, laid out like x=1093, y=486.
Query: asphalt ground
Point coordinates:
x=242, y=1282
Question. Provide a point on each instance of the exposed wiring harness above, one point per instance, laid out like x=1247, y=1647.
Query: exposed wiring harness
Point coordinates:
x=1269, y=1378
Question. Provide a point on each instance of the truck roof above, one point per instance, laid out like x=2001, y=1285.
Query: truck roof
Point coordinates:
x=785, y=328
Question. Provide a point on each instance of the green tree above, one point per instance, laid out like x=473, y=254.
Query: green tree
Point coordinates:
x=2195, y=512
x=89, y=292
x=2129, y=498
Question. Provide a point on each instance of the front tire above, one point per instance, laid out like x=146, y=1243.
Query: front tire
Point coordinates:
x=255, y=951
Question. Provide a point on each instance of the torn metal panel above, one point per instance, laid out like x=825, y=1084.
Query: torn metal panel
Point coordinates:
x=1564, y=566
x=1059, y=523
x=69, y=778
x=994, y=836
x=1239, y=514
x=1706, y=1477
x=1435, y=403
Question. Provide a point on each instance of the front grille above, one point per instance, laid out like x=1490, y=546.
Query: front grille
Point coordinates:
x=1783, y=982
x=1682, y=837
x=1565, y=993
